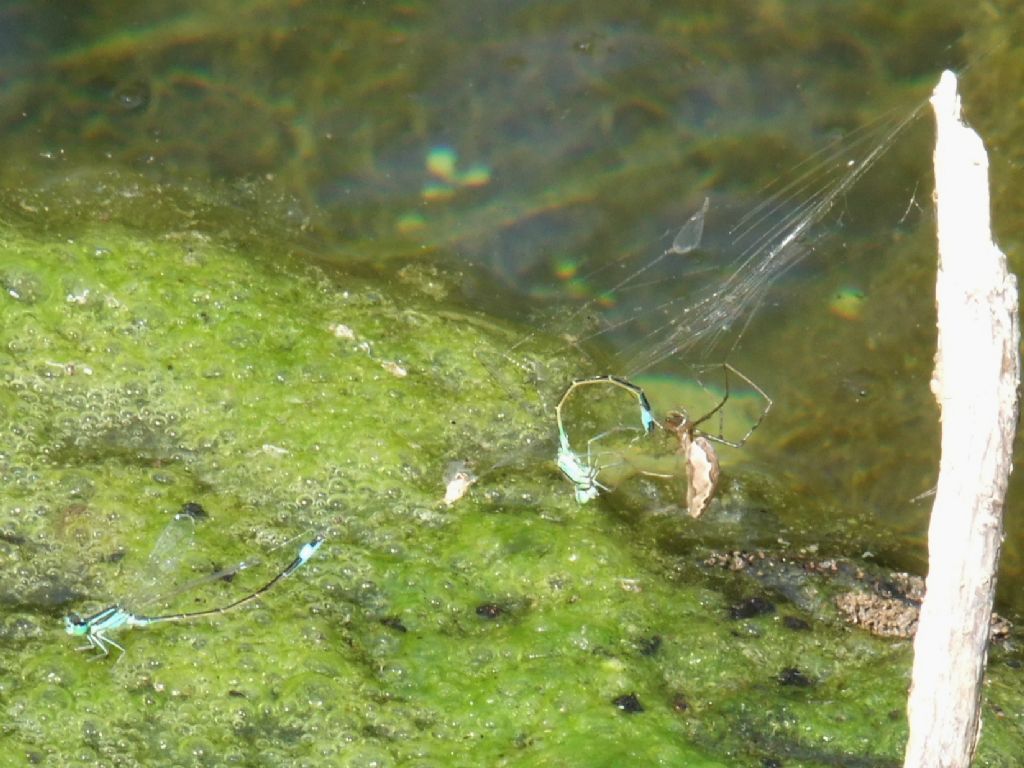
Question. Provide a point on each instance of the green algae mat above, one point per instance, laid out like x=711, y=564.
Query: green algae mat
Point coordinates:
x=196, y=369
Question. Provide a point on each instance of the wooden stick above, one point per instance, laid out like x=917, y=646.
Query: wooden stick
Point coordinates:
x=977, y=373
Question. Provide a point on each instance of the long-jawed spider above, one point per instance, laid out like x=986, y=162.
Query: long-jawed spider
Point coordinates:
x=695, y=446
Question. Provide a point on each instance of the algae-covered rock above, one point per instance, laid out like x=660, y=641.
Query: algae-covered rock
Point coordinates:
x=199, y=365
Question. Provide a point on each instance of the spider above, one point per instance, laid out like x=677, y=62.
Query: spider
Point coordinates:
x=695, y=446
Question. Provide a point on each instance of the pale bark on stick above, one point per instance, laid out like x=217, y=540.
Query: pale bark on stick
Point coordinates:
x=977, y=372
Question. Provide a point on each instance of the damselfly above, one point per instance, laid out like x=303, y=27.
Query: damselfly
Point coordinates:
x=583, y=473
x=95, y=627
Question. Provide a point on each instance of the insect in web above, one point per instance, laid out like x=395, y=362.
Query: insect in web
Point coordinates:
x=696, y=445
x=583, y=473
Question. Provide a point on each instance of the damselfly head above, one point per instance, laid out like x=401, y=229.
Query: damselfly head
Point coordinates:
x=74, y=625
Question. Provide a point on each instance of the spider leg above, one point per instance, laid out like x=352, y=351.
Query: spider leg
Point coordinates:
x=720, y=438
x=605, y=434
x=721, y=403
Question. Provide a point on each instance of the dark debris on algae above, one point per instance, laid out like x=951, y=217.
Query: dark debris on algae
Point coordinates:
x=885, y=603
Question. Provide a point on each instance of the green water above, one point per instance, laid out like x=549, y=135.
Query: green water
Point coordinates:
x=264, y=259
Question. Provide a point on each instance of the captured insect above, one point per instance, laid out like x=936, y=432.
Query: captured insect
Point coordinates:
x=95, y=627
x=582, y=473
x=695, y=445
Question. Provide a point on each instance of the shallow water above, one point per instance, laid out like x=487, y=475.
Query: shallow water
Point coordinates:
x=471, y=178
